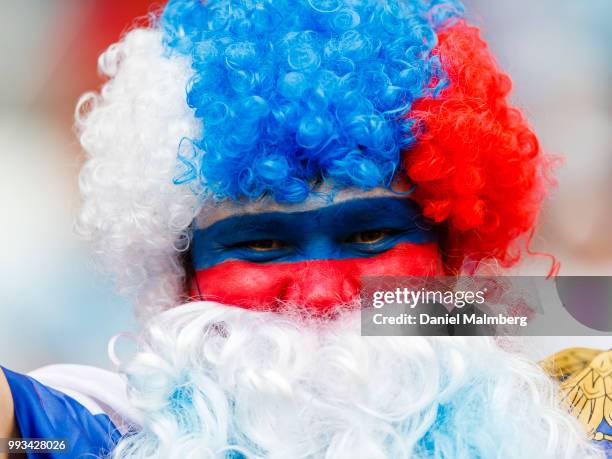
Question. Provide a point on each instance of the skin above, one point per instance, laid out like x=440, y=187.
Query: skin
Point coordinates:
x=265, y=255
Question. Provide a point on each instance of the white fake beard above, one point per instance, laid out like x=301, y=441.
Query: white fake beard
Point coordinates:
x=210, y=380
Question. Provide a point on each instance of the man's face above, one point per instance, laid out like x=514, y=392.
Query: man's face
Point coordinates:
x=265, y=255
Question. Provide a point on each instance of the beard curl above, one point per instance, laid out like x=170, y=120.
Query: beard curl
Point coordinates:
x=216, y=381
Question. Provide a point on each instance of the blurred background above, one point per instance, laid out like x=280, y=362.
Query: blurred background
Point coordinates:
x=54, y=308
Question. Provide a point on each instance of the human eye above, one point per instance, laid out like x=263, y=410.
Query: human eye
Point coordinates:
x=262, y=245
x=370, y=237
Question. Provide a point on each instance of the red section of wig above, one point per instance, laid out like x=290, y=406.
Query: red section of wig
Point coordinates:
x=478, y=166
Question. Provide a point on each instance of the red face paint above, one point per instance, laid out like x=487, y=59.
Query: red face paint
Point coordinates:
x=318, y=285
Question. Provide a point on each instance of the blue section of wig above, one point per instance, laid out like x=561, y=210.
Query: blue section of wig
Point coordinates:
x=292, y=92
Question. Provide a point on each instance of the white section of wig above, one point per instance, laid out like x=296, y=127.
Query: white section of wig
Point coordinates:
x=209, y=379
x=133, y=213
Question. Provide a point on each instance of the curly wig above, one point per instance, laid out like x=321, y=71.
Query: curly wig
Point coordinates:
x=477, y=166
x=239, y=99
x=319, y=89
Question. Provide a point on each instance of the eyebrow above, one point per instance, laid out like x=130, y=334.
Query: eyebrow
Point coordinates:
x=373, y=209
x=246, y=223
x=359, y=211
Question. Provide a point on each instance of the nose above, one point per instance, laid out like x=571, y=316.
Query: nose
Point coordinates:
x=322, y=285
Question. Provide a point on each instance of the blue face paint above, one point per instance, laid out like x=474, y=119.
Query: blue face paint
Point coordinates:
x=357, y=228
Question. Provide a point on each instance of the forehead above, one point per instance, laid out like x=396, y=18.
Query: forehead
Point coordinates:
x=215, y=211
